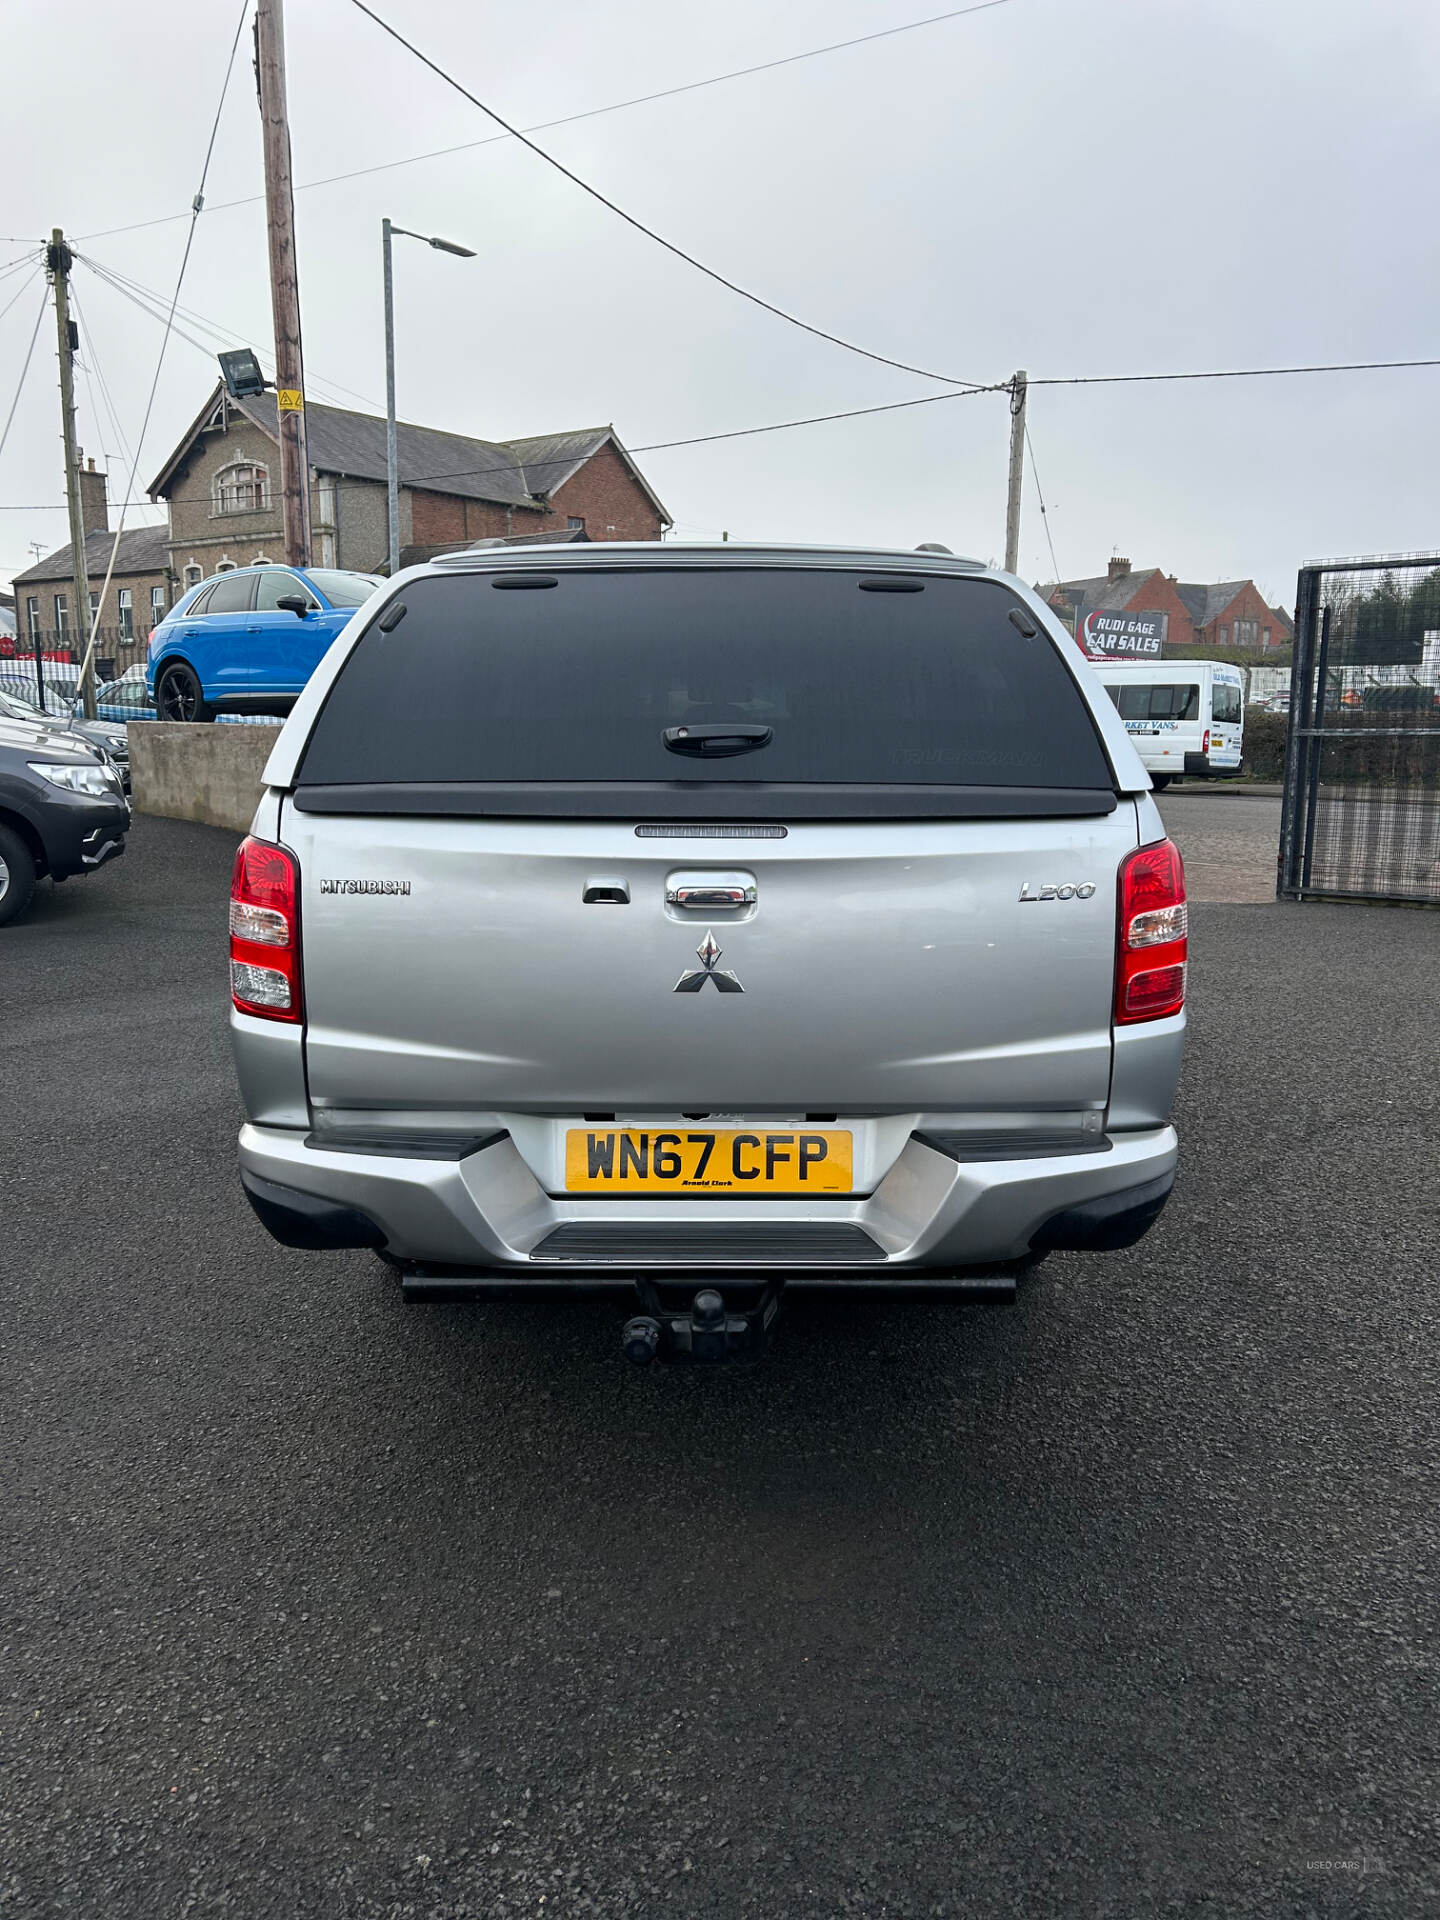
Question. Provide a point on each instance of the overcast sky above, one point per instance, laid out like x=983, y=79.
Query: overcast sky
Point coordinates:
x=1072, y=186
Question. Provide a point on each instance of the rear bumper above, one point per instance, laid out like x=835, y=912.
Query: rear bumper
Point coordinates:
x=1205, y=766
x=484, y=1212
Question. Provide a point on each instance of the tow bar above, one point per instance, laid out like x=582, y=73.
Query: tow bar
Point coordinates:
x=705, y=1332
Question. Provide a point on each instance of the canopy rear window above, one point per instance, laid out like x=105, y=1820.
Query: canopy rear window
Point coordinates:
x=577, y=677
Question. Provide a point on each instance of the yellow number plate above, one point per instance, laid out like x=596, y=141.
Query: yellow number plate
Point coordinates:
x=700, y=1160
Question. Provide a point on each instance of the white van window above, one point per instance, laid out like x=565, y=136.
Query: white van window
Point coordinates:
x=1164, y=702
x=1225, y=701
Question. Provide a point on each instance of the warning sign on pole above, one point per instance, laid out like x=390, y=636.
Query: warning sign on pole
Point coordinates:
x=290, y=399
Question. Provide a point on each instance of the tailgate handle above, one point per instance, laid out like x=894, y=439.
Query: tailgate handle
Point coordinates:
x=716, y=742
x=709, y=892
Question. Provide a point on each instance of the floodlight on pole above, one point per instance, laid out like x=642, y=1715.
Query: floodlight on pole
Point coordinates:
x=240, y=371
x=392, y=438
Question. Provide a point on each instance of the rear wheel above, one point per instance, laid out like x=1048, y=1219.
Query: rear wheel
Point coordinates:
x=17, y=876
x=179, y=695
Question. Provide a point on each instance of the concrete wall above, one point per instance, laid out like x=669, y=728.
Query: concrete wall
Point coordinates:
x=206, y=772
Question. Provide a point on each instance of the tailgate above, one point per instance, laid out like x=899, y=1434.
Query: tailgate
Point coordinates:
x=458, y=964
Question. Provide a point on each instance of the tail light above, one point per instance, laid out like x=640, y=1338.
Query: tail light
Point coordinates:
x=1153, y=942
x=1205, y=743
x=265, y=932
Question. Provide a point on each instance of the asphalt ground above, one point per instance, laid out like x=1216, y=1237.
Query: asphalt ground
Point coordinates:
x=1229, y=842
x=1120, y=1602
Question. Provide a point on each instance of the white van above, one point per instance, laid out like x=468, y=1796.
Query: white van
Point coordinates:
x=1183, y=716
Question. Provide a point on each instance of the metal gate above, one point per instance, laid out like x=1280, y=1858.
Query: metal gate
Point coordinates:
x=1361, y=814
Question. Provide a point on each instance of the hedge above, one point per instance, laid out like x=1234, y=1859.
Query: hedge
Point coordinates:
x=1368, y=754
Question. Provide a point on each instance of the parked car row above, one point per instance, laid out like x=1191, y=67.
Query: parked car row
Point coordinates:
x=63, y=809
x=20, y=700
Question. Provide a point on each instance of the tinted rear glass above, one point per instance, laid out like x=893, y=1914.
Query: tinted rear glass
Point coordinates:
x=345, y=589
x=577, y=681
x=232, y=594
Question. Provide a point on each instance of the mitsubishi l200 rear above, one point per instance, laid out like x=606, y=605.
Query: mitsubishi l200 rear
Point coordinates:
x=703, y=924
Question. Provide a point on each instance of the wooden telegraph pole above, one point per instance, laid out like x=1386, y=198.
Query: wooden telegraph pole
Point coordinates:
x=284, y=284
x=59, y=260
x=1018, y=391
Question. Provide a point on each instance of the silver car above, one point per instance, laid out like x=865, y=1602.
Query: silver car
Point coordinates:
x=703, y=923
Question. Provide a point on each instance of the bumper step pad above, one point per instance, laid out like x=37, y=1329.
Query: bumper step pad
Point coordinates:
x=743, y=1243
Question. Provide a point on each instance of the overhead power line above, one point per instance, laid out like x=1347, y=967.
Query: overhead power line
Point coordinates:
x=195, y=208
x=20, y=383
x=92, y=360
x=649, y=446
x=631, y=220
x=19, y=292
x=149, y=301
x=570, y=119
x=849, y=413
x=1225, y=373
x=1044, y=514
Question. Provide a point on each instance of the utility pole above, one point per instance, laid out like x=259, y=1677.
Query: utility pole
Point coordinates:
x=59, y=260
x=284, y=283
x=1018, y=390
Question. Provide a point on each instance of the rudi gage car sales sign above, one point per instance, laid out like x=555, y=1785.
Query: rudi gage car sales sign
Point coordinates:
x=1139, y=635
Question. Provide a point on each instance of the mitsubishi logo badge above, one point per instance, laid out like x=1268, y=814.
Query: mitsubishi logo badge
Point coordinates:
x=707, y=953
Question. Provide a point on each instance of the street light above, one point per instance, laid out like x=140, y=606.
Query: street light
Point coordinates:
x=392, y=442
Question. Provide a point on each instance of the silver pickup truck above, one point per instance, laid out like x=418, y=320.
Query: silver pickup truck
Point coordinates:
x=700, y=923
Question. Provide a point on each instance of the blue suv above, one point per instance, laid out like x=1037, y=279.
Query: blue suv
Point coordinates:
x=247, y=641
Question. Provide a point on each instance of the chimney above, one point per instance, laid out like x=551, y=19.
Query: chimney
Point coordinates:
x=94, y=504
x=1118, y=568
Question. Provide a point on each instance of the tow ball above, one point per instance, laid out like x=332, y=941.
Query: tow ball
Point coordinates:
x=705, y=1332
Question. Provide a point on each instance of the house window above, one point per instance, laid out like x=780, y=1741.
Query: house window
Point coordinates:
x=94, y=608
x=1265, y=638
x=157, y=605
x=127, y=614
x=242, y=488
x=1247, y=633
x=32, y=615
x=224, y=566
x=62, y=614
x=193, y=576
x=327, y=502
x=575, y=524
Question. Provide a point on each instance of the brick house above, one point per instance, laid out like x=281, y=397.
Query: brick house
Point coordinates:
x=221, y=485
x=141, y=588
x=1225, y=613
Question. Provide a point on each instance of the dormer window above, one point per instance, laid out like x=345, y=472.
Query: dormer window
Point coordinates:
x=242, y=488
